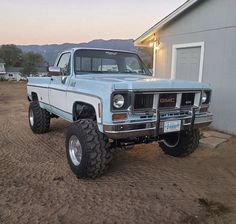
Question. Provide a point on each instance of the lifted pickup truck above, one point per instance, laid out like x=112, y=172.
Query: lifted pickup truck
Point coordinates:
x=112, y=100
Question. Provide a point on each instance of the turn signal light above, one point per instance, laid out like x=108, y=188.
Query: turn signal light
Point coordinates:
x=203, y=109
x=119, y=116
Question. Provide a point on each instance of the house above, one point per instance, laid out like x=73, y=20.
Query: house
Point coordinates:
x=2, y=69
x=197, y=42
x=14, y=73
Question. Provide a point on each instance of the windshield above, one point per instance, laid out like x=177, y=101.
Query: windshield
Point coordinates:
x=97, y=61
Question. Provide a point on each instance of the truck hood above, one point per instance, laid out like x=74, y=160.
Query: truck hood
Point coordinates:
x=141, y=82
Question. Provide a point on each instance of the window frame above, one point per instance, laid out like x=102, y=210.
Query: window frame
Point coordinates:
x=142, y=65
x=175, y=47
x=69, y=62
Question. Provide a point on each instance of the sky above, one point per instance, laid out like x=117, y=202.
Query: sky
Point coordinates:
x=76, y=21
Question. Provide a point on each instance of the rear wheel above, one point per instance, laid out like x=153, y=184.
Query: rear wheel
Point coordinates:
x=88, y=150
x=180, y=144
x=39, y=119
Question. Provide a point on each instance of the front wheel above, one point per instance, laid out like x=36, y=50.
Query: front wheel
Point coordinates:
x=87, y=149
x=39, y=119
x=180, y=144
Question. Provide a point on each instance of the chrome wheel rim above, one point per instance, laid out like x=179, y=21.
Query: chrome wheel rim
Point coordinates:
x=172, y=144
x=75, y=150
x=31, y=118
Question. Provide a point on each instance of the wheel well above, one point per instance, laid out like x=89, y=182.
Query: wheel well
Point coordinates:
x=34, y=96
x=83, y=110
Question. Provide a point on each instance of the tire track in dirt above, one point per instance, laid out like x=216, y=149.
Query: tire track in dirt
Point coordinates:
x=18, y=142
x=141, y=186
x=23, y=138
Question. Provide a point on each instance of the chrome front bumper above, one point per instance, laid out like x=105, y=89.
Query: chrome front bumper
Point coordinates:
x=154, y=127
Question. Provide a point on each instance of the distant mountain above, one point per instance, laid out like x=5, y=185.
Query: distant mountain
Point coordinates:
x=50, y=51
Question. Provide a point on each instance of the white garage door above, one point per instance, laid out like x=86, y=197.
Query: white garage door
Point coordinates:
x=188, y=63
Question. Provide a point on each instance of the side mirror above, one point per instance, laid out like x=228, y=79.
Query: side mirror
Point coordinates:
x=63, y=79
x=54, y=71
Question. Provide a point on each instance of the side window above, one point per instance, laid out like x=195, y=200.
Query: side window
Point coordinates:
x=64, y=64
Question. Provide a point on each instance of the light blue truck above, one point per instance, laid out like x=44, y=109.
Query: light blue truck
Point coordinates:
x=112, y=100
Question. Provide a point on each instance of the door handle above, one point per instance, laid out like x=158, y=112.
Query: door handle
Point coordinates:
x=51, y=79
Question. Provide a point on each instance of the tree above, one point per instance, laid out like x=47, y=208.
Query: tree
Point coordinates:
x=11, y=55
x=31, y=61
x=14, y=57
x=34, y=58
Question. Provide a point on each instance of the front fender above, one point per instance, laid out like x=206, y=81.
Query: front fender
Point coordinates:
x=92, y=100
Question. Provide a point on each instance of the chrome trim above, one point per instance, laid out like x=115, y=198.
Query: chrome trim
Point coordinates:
x=31, y=117
x=75, y=150
x=208, y=118
x=156, y=95
x=130, y=131
x=128, y=99
x=111, y=130
x=205, y=104
x=138, y=122
x=157, y=90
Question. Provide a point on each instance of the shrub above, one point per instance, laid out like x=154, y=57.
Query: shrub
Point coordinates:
x=3, y=79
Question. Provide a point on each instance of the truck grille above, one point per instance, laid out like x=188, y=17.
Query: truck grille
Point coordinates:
x=143, y=101
x=167, y=100
x=187, y=99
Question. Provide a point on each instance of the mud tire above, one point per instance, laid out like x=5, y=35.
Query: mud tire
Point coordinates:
x=188, y=142
x=96, y=153
x=40, y=122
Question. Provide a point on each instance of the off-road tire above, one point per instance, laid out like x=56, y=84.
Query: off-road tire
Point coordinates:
x=96, y=153
x=188, y=142
x=41, y=118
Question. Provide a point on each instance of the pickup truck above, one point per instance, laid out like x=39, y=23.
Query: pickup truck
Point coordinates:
x=113, y=101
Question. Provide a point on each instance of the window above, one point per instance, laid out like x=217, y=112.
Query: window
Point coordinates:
x=133, y=65
x=87, y=64
x=97, y=61
x=64, y=64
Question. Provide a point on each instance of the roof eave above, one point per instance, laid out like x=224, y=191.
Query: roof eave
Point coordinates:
x=154, y=29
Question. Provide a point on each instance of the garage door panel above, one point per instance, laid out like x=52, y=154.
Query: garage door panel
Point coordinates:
x=188, y=63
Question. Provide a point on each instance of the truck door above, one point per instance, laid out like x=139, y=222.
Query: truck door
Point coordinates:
x=58, y=86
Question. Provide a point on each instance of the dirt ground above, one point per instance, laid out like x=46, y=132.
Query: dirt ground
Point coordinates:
x=142, y=186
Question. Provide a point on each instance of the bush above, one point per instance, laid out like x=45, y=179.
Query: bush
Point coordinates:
x=3, y=79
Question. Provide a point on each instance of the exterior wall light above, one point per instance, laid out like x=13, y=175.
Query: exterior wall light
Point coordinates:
x=157, y=45
x=151, y=44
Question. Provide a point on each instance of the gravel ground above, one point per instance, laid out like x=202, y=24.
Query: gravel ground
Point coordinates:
x=142, y=185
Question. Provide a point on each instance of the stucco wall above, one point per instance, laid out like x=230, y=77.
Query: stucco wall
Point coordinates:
x=214, y=23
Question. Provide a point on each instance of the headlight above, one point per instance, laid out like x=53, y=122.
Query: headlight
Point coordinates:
x=118, y=101
x=204, y=97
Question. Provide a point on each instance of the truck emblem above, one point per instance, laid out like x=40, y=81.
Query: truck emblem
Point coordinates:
x=167, y=100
